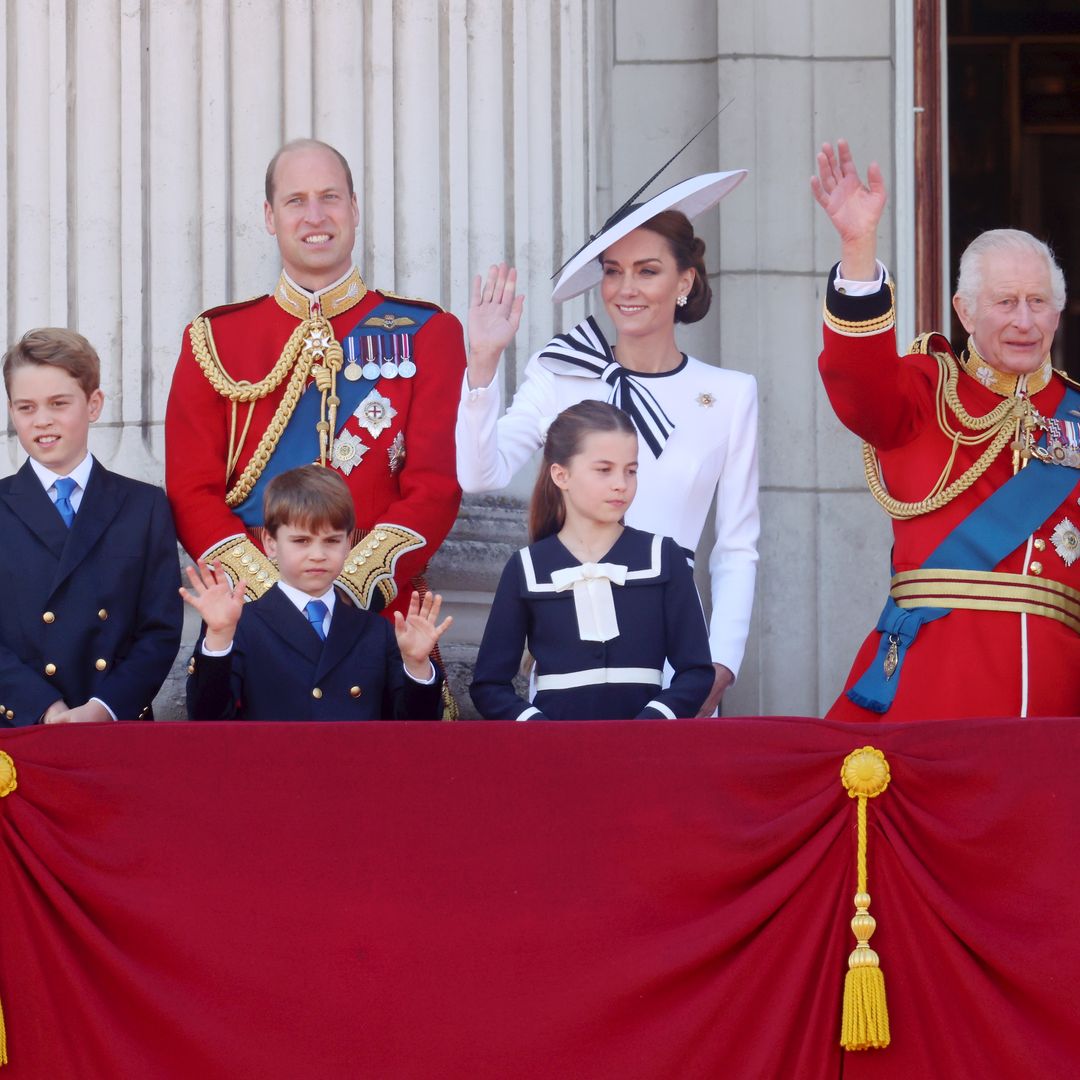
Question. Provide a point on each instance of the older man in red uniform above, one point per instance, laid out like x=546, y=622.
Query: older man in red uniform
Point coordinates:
x=324, y=369
x=976, y=458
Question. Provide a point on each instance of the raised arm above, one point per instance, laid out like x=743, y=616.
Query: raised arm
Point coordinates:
x=494, y=318
x=853, y=207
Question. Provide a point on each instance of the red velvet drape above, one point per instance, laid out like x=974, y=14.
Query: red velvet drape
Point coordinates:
x=633, y=900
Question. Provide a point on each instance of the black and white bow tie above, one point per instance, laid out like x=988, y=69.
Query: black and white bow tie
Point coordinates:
x=583, y=351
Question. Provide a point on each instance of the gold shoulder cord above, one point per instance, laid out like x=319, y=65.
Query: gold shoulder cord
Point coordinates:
x=312, y=339
x=998, y=426
x=240, y=390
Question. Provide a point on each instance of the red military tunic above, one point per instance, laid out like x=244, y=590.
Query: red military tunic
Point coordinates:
x=970, y=663
x=404, y=485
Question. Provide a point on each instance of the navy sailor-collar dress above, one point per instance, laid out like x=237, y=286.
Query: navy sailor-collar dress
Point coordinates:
x=596, y=659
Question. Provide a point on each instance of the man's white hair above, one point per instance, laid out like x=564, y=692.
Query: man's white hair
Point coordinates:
x=970, y=279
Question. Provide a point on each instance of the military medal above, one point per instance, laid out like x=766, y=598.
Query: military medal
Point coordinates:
x=371, y=368
x=892, y=657
x=396, y=453
x=348, y=452
x=1063, y=442
x=353, y=371
x=406, y=367
x=389, y=362
x=375, y=414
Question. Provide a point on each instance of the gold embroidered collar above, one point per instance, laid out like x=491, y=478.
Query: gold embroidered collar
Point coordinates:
x=1004, y=383
x=343, y=294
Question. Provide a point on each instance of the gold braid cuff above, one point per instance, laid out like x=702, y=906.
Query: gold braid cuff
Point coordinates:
x=863, y=327
x=242, y=559
x=371, y=563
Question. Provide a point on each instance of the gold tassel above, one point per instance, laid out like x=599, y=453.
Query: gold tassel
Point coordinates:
x=865, y=1022
x=8, y=783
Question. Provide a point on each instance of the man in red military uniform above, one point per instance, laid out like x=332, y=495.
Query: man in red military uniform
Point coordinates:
x=327, y=370
x=976, y=458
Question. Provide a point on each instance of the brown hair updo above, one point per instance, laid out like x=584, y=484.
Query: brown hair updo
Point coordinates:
x=547, y=511
x=689, y=251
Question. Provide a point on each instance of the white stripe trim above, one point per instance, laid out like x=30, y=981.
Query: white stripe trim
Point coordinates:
x=655, y=556
x=528, y=714
x=660, y=707
x=1024, y=638
x=654, y=570
x=599, y=676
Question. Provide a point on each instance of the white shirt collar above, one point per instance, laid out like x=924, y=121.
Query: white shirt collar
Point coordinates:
x=300, y=598
x=80, y=474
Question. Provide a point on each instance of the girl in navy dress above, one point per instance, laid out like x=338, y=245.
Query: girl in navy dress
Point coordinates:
x=600, y=606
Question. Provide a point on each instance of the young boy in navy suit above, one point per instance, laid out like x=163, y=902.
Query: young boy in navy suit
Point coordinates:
x=90, y=620
x=301, y=652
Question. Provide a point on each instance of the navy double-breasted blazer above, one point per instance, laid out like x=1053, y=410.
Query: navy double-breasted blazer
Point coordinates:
x=90, y=611
x=279, y=669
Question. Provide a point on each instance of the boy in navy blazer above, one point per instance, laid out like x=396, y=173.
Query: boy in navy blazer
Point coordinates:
x=301, y=652
x=90, y=621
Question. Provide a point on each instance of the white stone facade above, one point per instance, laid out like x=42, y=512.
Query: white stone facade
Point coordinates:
x=138, y=133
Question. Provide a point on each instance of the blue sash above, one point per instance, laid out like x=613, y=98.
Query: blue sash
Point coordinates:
x=996, y=527
x=299, y=442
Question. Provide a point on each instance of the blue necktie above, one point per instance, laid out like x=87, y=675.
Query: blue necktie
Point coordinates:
x=64, y=487
x=316, y=610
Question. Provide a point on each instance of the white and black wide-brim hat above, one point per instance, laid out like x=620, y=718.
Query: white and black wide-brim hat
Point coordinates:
x=691, y=197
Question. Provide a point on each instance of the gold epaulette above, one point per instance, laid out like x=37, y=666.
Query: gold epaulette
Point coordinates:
x=1074, y=383
x=371, y=563
x=410, y=300
x=236, y=305
x=922, y=344
x=240, y=558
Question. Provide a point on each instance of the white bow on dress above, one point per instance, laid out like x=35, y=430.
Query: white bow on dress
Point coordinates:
x=593, y=600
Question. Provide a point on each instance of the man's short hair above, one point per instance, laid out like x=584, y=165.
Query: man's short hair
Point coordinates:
x=970, y=279
x=304, y=144
x=310, y=497
x=55, y=346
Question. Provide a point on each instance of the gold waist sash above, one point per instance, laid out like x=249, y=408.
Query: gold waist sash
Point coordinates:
x=987, y=590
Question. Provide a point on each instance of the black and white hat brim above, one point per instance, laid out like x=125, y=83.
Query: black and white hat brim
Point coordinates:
x=692, y=197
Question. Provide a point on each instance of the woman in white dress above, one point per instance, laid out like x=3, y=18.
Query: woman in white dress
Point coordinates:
x=697, y=424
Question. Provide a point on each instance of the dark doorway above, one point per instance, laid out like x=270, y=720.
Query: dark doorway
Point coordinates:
x=1014, y=135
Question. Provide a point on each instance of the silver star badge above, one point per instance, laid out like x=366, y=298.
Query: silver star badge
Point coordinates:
x=348, y=452
x=1066, y=541
x=375, y=414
